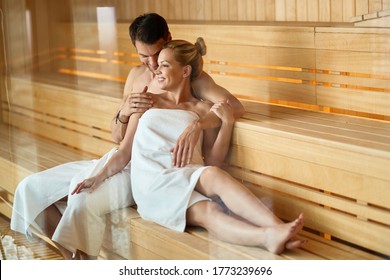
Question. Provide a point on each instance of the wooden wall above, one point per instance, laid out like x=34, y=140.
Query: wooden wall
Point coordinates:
x=351, y=62
x=219, y=10
x=238, y=10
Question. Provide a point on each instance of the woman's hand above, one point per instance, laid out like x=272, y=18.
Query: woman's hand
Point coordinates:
x=89, y=185
x=224, y=111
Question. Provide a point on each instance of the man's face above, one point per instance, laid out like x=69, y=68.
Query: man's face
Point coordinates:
x=148, y=54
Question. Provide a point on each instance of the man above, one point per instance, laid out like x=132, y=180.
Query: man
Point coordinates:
x=36, y=196
x=148, y=33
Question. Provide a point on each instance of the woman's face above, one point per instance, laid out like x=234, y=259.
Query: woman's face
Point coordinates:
x=169, y=73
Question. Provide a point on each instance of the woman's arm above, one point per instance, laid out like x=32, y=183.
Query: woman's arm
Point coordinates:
x=216, y=142
x=206, y=89
x=117, y=162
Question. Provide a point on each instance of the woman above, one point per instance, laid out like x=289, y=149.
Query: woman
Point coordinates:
x=178, y=196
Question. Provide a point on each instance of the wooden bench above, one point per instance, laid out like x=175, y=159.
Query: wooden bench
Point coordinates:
x=315, y=138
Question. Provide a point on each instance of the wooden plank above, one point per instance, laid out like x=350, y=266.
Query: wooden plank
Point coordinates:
x=170, y=244
x=320, y=119
x=41, y=250
x=376, y=143
x=117, y=238
x=266, y=72
x=250, y=252
x=77, y=106
x=355, y=100
x=318, y=197
x=250, y=35
x=336, y=11
x=268, y=135
x=361, y=7
x=344, y=80
x=76, y=140
x=356, y=39
x=258, y=89
x=256, y=56
x=325, y=178
x=368, y=235
x=16, y=140
x=334, y=250
x=357, y=124
x=12, y=174
x=355, y=62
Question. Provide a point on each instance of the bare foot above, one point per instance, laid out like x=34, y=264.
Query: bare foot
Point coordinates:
x=278, y=237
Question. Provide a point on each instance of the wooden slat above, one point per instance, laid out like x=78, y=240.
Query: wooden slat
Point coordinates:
x=250, y=252
x=262, y=55
x=349, y=122
x=258, y=89
x=326, y=178
x=318, y=197
x=309, y=145
x=77, y=106
x=320, y=129
x=247, y=35
x=355, y=100
x=354, y=39
x=364, y=127
x=15, y=141
x=355, y=62
x=73, y=139
x=370, y=235
x=174, y=245
x=41, y=250
x=331, y=250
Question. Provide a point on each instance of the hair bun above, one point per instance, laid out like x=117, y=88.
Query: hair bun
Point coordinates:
x=201, y=46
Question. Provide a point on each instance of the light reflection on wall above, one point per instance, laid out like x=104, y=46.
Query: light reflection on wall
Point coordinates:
x=106, y=21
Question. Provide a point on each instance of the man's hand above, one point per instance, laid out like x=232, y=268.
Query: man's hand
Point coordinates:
x=224, y=111
x=182, y=153
x=137, y=103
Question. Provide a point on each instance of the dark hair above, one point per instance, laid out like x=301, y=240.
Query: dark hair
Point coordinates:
x=148, y=29
x=187, y=53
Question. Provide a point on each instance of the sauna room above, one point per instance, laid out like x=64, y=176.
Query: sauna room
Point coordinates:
x=300, y=87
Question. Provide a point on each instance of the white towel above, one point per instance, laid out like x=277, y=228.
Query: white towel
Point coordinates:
x=163, y=193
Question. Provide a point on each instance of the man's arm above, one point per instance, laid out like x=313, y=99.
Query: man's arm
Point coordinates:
x=206, y=88
x=131, y=103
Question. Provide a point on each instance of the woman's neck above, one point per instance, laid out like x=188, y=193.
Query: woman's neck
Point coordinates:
x=182, y=93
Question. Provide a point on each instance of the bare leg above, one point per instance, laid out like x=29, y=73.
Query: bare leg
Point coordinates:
x=210, y=216
x=241, y=201
x=48, y=221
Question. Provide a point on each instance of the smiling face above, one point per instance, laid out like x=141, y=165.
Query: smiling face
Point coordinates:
x=148, y=53
x=170, y=73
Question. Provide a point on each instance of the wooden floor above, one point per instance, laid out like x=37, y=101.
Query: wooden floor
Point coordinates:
x=41, y=249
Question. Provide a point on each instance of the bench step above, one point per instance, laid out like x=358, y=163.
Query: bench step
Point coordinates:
x=196, y=243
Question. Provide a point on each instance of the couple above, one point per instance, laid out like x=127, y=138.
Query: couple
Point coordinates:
x=164, y=190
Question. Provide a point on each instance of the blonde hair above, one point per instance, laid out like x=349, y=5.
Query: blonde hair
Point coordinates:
x=187, y=53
